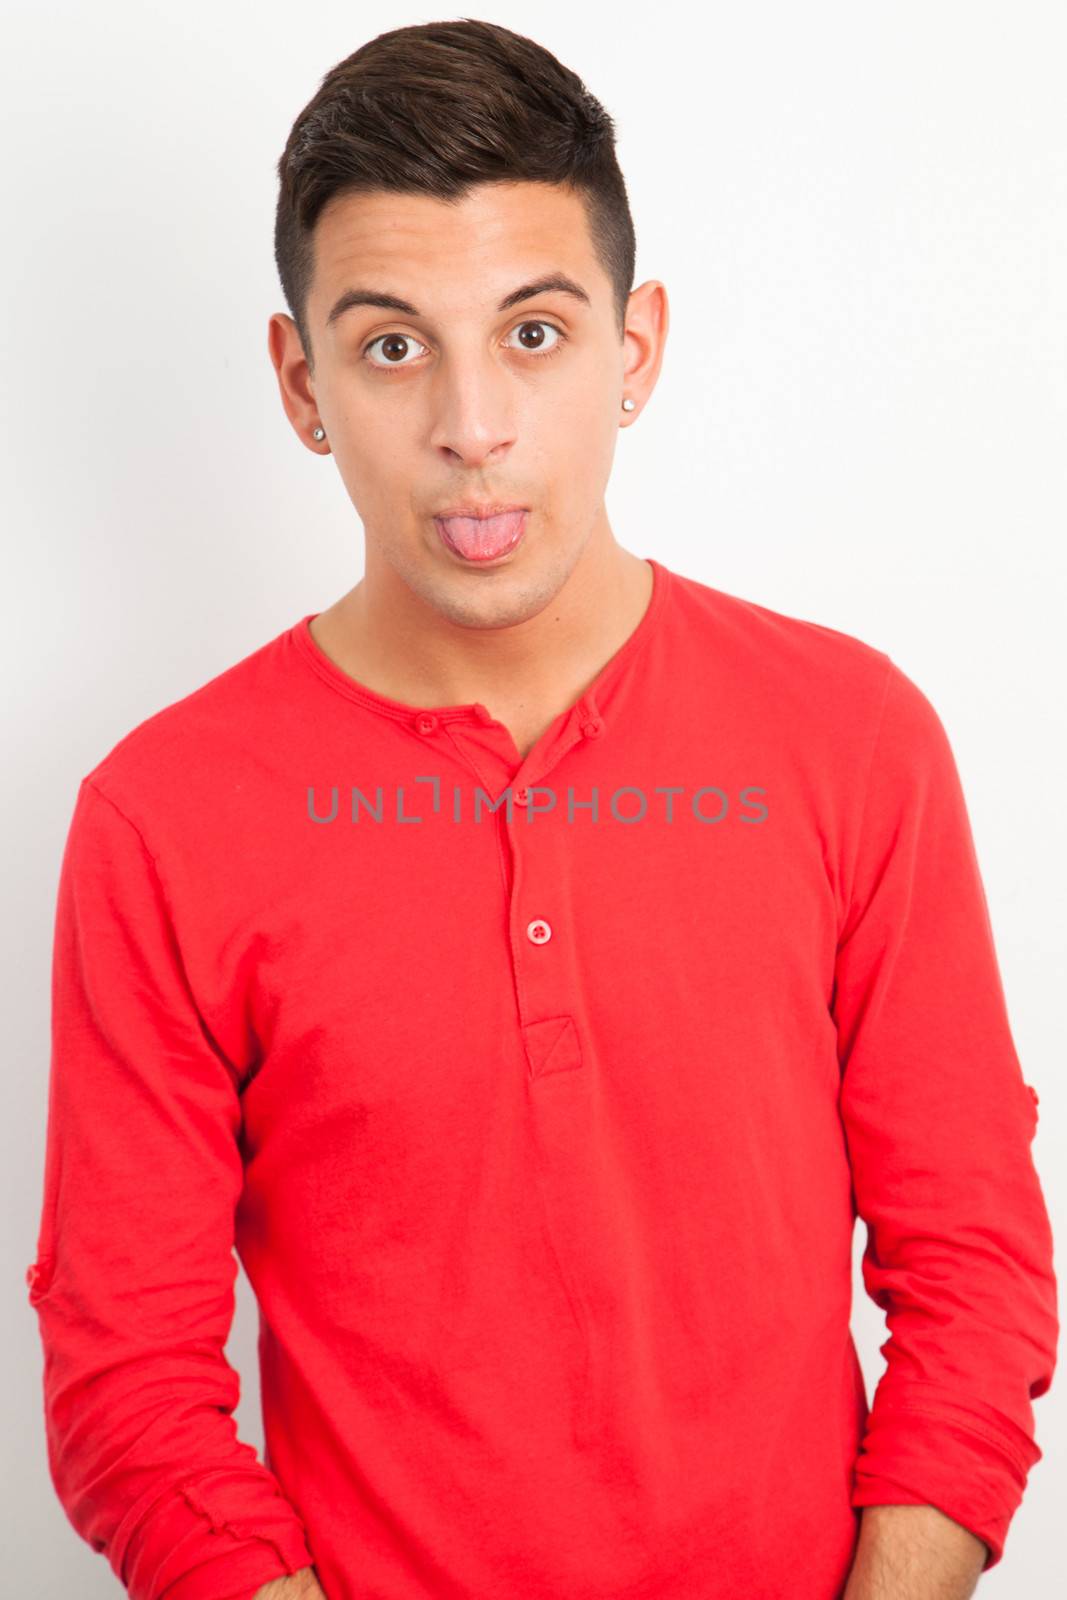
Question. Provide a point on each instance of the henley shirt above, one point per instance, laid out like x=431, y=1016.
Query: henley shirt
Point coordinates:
x=539, y=1097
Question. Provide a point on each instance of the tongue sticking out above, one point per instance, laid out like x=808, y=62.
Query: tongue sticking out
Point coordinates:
x=482, y=538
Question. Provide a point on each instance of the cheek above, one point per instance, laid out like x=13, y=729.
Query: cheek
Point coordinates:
x=375, y=456
x=577, y=416
x=585, y=440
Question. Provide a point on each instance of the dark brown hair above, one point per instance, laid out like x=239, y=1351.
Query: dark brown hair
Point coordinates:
x=435, y=109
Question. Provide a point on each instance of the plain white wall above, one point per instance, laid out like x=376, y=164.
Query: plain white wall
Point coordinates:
x=860, y=215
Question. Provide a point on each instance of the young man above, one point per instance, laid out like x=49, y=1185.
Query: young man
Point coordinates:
x=534, y=962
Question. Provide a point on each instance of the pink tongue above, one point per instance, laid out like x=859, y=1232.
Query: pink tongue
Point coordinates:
x=480, y=538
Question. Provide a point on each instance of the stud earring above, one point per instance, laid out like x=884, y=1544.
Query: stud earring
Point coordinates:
x=628, y=404
x=318, y=433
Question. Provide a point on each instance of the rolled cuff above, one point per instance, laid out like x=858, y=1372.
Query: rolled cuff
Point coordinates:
x=970, y=1464
x=224, y=1533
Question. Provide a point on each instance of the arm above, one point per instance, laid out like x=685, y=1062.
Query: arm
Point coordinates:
x=938, y=1122
x=133, y=1278
x=914, y=1553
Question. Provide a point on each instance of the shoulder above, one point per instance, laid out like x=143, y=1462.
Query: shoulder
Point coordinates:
x=773, y=655
x=199, y=739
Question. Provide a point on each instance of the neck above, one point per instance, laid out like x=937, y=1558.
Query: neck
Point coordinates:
x=526, y=671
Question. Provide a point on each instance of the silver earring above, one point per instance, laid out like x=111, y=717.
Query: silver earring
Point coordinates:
x=628, y=404
x=319, y=433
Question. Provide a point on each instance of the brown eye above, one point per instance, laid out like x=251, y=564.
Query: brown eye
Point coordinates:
x=395, y=347
x=533, y=338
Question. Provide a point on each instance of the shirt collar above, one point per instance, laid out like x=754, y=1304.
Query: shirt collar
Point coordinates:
x=588, y=707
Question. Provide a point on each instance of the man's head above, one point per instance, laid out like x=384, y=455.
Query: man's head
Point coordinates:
x=441, y=169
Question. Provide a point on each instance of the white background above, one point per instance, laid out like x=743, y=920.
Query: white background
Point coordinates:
x=860, y=215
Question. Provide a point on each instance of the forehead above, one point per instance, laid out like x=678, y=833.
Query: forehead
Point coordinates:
x=453, y=254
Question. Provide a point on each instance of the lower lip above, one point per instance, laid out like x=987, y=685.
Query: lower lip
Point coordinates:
x=484, y=539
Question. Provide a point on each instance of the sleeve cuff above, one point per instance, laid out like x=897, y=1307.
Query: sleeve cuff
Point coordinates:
x=950, y=1458
x=221, y=1534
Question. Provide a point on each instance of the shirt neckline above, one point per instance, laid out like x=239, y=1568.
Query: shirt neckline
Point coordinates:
x=345, y=684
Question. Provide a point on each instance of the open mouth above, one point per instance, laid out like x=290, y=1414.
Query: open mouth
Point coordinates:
x=482, y=539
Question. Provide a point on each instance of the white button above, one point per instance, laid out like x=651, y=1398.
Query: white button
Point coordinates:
x=538, y=931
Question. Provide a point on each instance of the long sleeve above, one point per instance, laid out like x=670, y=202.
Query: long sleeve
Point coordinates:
x=134, y=1272
x=939, y=1124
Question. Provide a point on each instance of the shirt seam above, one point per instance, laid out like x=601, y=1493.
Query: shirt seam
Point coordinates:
x=237, y=1077
x=92, y=784
x=854, y=869
x=351, y=690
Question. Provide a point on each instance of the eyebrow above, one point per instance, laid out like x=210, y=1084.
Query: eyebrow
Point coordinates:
x=557, y=282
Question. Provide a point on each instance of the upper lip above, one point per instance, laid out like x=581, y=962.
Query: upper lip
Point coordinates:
x=488, y=508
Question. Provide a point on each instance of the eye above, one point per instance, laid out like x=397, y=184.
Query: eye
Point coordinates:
x=397, y=345
x=551, y=349
x=392, y=340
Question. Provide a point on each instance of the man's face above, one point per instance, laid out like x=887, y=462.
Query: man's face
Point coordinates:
x=459, y=401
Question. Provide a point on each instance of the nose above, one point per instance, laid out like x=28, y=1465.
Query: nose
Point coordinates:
x=474, y=421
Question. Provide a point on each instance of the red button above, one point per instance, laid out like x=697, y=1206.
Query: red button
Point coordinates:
x=521, y=796
x=426, y=722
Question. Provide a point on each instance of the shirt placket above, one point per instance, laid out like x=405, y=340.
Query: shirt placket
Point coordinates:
x=538, y=842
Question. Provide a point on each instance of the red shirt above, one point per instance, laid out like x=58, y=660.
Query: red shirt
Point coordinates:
x=541, y=1137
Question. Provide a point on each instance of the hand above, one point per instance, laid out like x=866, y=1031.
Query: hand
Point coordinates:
x=302, y=1585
